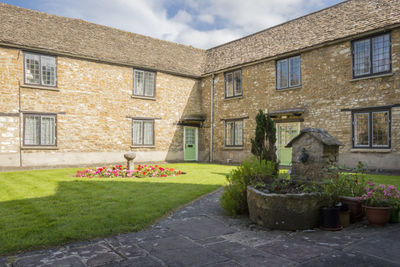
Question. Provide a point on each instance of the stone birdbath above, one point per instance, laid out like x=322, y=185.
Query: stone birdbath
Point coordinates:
x=130, y=157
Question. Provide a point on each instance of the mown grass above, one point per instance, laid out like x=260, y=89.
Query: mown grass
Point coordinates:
x=48, y=207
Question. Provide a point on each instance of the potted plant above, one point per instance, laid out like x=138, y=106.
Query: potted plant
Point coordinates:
x=395, y=203
x=330, y=214
x=355, y=183
x=377, y=203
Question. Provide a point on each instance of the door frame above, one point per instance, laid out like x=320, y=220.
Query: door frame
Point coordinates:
x=278, y=132
x=197, y=142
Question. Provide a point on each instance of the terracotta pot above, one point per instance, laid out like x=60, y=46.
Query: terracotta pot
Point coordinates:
x=355, y=208
x=395, y=216
x=377, y=216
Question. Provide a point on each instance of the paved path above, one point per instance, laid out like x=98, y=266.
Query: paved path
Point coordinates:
x=201, y=235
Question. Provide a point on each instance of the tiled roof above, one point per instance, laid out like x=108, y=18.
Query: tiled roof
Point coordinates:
x=37, y=30
x=336, y=22
x=28, y=28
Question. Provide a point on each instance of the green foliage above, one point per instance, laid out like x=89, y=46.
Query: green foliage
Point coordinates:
x=350, y=184
x=263, y=144
x=251, y=172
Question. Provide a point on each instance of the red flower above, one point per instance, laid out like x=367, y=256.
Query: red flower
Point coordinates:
x=356, y=181
x=144, y=173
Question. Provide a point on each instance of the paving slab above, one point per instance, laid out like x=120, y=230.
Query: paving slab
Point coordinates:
x=201, y=234
x=352, y=259
x=199, y=227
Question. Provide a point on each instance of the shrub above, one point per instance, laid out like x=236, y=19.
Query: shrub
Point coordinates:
x=263, y=145
x=251, y=172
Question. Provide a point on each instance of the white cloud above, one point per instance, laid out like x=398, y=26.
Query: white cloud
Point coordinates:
x=202, y=24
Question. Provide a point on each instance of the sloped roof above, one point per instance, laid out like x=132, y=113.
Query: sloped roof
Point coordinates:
x=36, y=30
x=33, y=29
x=336, y=22
x=319, y=134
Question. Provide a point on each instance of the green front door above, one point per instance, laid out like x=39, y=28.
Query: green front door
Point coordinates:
x=190, y=143
x=286, y=132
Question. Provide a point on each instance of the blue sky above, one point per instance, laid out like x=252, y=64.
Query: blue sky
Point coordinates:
x=200, y=23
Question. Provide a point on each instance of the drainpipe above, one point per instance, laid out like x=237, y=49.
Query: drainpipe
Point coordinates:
x=212, y=120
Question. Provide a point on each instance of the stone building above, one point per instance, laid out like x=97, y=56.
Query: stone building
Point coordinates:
x=74, y=92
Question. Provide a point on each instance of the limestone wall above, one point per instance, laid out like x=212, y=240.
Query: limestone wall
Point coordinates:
x=327, y=88
x=94, y=104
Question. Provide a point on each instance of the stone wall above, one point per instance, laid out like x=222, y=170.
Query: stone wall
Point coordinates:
x=93, y=102
x=327, y=88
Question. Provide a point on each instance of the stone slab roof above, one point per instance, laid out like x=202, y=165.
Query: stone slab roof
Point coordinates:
x=33, y=29
x=336, y=22
x=319, y=134
x=40, y=31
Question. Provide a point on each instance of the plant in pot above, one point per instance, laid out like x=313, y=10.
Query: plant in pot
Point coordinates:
x=395, y=203
x=330, y=214
x=355, y=183
x=377, y=203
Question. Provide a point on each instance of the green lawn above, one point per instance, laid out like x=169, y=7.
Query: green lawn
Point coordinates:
x=385, y=179
x=47, y=207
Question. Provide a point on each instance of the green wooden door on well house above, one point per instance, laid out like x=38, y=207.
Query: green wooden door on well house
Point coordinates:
x=285, y=133
x=190, y=141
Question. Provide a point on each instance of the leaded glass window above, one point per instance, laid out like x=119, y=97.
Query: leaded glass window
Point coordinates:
x=288, y=72
x=40, y=69
x=372, y=56
x=233, y=83
x=234, y=133
x=144, y=83
x=39, y=130
x=142, y=132
x=371, y=129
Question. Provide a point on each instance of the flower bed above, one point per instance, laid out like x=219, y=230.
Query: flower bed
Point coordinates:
x=140, y=171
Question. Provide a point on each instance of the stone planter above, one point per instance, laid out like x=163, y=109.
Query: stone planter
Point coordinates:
x=285, y=211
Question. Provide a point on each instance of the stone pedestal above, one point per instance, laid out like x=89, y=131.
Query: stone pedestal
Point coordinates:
x=130, y=157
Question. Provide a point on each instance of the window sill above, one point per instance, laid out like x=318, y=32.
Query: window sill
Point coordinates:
x=39, y=148
x=288, y=89
x=372, y=77
x=233, y=147
x=143, y=146
x=144, y=97
x=234, y=97
x=371, y=150
x=29, y=86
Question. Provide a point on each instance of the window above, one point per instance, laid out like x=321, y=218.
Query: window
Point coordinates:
x=142, y=132
x=371, y=129
x=372, y=56
x=39, y=130
x=40, y=69
x=234, y=133
x=288, y=73
x=143, y=83
x=233, y=83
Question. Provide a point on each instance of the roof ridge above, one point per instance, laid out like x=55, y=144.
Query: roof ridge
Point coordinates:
x=280, y=24
x=100, y=25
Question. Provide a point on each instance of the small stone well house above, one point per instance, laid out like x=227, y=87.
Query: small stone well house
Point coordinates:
x=73, y=92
